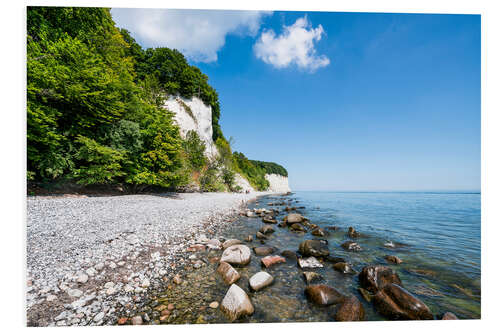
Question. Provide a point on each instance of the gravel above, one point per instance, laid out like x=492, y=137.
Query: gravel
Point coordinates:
x=93, y=248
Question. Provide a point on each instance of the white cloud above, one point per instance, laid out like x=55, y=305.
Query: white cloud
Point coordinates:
x=294, y=46
x=198, y=34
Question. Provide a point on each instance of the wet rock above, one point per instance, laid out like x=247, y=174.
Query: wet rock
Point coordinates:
x=344, y=268
x=137, y=320
x=321, y=294
x=297, y=227
x=294, y=218
x=267, y=229
x=289, y=255
x=314, y=247
x=230, y=242
x=350, y=310
x=310, y=262
x=249, y=239
x=82, y=278
x=366, y=294
x=260, y=280
x=214, y=244
x=250, y=214
x=449, y=316
x=228, y=273
x=312, y=276
x=237, y=255
x=272, y=260
x=394, y=302
x=282, y=224
x=269, y=219
x=393, y=259
x=334, y=259
x=424, y=272
x=319, y=232
x=263, y=250
x=75, y=292
x=260, y=235
x=352, y=233
x=374, y=278
x=236, y=303
x=332, y=228
x=351, y=246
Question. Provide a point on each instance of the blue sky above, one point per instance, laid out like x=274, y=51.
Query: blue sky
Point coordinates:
x=344, y=101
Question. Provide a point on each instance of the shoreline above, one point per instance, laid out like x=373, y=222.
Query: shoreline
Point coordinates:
x=80, y=277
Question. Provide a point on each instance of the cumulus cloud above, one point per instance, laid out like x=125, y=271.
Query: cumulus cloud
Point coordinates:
x=294, y=46
x=198, y=34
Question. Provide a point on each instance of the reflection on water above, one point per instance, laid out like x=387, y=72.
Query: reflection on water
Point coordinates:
x=439, y=234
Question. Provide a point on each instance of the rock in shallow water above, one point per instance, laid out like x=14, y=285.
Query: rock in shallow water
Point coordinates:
x=260, y=280
x=236, y=303
x=351, y=246
x=318, y=232
x=343, y=268
x=228, y=273
x=321, y=294
x=314, y=247
x=272, y=260
x=449, y=316
x=263, y=250
x=310, y=262
x=312, y=276
x=267, y=229
x=350, y=310
x=230, y=242
x=297, y=227
x=393, y=259
x=294, y=218
x=374, y=278
x=237, y=255
x=395, y=302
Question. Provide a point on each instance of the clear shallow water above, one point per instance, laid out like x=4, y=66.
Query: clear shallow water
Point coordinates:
x=441, y=254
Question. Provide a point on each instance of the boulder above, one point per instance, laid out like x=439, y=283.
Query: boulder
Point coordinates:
x=237, y=255
x=230, y=242
x=321, y=294
x=297, y=227
x=352, y=233
x=263, y=250
x=267, y=229
x=351, y=246
x=236, y=303
x=269, y=219
x=449, y=316
x=350, y=310
x=396, y=303
x=374, y=277
x=343, y=267
x=393, y=259
x=318, y=232
x=272, y=260
x=312, y=276
x=294, y=218
x=310, y=262
x=228, y=273
x=260, y=280
x=314, y=247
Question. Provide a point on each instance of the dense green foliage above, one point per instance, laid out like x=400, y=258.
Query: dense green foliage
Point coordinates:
x=95, y=109
x=271, y=167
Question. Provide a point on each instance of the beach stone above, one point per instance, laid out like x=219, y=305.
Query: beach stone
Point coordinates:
x=294, y=218
x=263, y=250
x=214, y=244
x=260, y=235
x=310, y=262
x=51, y=298
x=267, y=229
x=214, y=305
x=75, y=292
x=449, y=316
x=196, y=248
x=343, y=267
x=272, y=260
x=230, y=242
x=374, y=277
x=269, y=219
x=396, y=303
x=91, y=271
x=312, y=276
x=350, y=310
x=393, y=259
x=314, y=247
x=177, y=279
x=249, y=239
x=250, y=214
x=237, y=255
x=228, y=273
x=318, y=232
x=137, y=320
x=260, y=280
x=98, y=317
x=352, y=233
x=297, y=227
x=122, y=321
x=289, y=255
x=351, y=246
x=236, y=303
x=82, y=278
x=321, y=294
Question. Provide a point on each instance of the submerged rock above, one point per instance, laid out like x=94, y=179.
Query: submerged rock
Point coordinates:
x=334, y=259
x=263, y=250
x=228, y=273
x=395, y=302
x=393, y=259
x=289, y=255
x=321, y=294
x=350, y=310
x=352, y=233
x=260, y=235
x=312, y=276
x=269, y=219
x=249, y=239
x=374, y=278
x=366, y=294
x=344, y=268
x=236, y=303
x=272, y=260
x=260, y=280
x=319, y=232
x=314, y=247
x=267, y=229
x=351, y=246
x=297, y=227
x=310, y=262
x=236, y=254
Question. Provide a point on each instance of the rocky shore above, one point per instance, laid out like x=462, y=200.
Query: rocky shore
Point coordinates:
x=89, y=256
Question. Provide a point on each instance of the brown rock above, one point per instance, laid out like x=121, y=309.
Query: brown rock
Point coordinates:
x=352, y=233
x=314, y=247
x=343, y=268
x=137, y=320
x=318, y=232
x=350, y=310
x=351, y=246
x=294, y=218
x=334, y=259
x=267, y=229
x=269, y=219
x=289, y=255
x=321, y=294
x=177, y=279
x=394, y=302
x=366, y=294
x=272, y=260
x=170, y=307
x=393, y=259
x=260, y=235
x=297, y=227
x=263, y=250
x=230, y=242
x=122, y=321
x=374, y=278
x=312, y=276
x=165, y=313
x=249, y=239
x=196, y=248
x=228, y=273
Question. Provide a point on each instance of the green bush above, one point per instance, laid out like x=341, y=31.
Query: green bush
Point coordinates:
x=194, y=148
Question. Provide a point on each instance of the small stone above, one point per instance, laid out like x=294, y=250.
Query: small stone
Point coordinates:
x=145, y=283
x=228, y=273
x=230, y=242
x=236, y=303
x=249, y=239
x=260, y=280
x=214, y=305
x=351, y=246
x=449, y=316
x=112, y=265
x=109, y=284
x=312, y=276
x=82, y=278
x=177, y=279
x=51, y=298
x=75, y=292
x=98, y=317
x=122, y=321
x=137, y=320
x=237, y=255
x=170, y=307
x=91, y=271
x=310, y=262
x=272, y=260
x=393, y=259
x=99, y=266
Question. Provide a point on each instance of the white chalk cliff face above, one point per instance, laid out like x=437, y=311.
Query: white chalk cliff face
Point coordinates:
x=278, y=183
x=193, y=114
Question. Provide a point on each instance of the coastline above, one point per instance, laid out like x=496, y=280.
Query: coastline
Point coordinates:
x=88, y=255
